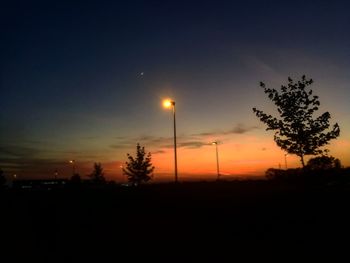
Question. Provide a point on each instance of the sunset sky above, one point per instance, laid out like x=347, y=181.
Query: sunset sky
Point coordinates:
x=85, y=80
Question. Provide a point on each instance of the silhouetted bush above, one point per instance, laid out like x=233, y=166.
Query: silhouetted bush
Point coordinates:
x=327, y=174
x=323, y=163
x=279, y=174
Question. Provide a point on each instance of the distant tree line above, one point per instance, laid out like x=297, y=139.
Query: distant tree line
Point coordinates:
x=138, y=169
x=320, y=169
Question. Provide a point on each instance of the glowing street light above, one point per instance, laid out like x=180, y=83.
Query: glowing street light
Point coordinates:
x=168, y=103
x=171, y=104
x=73, y=166
x=217, y=159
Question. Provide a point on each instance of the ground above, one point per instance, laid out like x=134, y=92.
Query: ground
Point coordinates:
x=169, y=221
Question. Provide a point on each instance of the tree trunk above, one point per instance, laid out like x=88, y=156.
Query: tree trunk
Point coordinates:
x=301, y=155
x=302, y=160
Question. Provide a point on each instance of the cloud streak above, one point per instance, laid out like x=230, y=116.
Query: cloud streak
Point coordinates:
x=192, y=144
x=193, y=141
x=238, y=129
x=15, y=151
x=158, y=152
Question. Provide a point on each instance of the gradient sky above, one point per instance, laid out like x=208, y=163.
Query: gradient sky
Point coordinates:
x=84, y=80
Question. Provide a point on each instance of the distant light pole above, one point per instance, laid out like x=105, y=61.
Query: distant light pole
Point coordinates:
x=171, y=104
x=122, y=171
x=217, y=159
x=285, y=159
x=73, y=166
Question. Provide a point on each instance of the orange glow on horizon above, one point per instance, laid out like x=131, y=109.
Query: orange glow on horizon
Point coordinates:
x=240, y=155
x=234, y=160
x=247, y=156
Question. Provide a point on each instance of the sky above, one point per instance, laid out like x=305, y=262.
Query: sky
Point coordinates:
x=85, y=80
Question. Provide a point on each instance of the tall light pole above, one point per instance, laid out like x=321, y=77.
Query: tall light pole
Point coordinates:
x=285, y=159
x=217, y=159
x=73, y=166
x=122, y=171
x=171, y=104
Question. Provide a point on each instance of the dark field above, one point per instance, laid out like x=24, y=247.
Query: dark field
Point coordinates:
x=188, y=221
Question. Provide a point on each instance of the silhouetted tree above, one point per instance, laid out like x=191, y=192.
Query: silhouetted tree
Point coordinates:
x=98, y=174
x=2, y=178
x=297, y=131
x=323, y=163
x=139, y=169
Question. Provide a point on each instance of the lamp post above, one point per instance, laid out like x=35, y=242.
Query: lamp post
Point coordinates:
x=171, y=104
x=285, y=159
x=73, y=166
x=217, y=159
x=122, y=171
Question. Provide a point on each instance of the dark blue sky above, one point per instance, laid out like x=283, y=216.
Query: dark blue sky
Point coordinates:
x=71, y=70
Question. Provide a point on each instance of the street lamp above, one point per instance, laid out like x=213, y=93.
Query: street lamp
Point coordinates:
x=217, y=159
x=285, y=159
x=73, y=166
x=122, y=172
x=171, y=104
